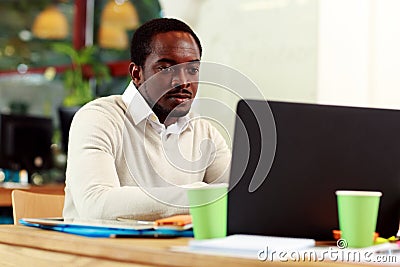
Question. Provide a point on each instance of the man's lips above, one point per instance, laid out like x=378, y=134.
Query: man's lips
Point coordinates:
x=181, y=96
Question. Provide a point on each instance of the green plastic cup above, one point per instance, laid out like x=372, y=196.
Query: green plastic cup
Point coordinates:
x=208, y=207
x=358, y=213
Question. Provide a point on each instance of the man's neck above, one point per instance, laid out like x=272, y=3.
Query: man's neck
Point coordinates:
x=168, y=121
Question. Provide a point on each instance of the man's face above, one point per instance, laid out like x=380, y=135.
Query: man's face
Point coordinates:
x=176, y=60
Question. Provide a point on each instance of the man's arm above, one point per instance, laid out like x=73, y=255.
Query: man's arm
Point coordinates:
x=219, y=169
x=93, y=185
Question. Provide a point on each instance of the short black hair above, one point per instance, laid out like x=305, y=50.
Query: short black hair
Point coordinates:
x=143, y=36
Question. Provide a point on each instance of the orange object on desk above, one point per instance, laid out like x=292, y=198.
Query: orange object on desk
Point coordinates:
x=337, y=235
x=179, y=220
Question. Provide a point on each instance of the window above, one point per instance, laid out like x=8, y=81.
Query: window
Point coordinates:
x=23, y=52
x=20, y=50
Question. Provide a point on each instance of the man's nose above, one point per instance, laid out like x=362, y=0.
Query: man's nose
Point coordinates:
x=180, y=79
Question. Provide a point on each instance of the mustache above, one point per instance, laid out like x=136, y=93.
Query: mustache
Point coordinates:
x=178, y=90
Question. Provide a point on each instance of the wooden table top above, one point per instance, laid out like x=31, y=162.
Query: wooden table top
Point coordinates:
x=139, y=251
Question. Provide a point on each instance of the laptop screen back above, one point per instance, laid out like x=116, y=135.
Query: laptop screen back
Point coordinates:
x=319, y=149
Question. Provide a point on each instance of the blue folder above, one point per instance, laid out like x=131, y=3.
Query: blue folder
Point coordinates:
x=102, y=230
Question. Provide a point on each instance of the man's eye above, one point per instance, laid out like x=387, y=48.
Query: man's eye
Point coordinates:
x=193, y=70
x=165, y=69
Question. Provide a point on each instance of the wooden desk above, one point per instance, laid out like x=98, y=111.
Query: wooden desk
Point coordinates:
x=5, y=193
x=26, y=246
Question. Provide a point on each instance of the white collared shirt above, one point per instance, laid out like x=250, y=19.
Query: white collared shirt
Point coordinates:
x=140, y=110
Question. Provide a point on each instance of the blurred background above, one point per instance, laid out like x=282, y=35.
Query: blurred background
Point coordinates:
x=57, y=54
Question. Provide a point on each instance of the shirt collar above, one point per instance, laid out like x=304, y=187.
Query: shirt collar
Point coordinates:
x=140, y=110
x=137, y=106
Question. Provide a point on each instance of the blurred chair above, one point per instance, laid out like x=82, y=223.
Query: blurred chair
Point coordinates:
x=66, y=114
x=34, y=205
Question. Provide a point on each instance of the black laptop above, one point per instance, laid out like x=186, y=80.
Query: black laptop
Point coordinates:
x=288, y=188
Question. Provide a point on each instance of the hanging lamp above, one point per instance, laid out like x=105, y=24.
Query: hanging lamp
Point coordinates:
x=51, y=23
x=117, y=17
x=112, y=37
x=120, y=13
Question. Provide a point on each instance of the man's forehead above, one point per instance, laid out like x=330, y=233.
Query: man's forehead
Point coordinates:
x=170, y=42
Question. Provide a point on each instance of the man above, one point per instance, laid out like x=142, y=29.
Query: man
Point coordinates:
x=134, y=155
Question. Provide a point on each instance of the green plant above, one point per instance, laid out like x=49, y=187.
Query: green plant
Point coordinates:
x=84, y=64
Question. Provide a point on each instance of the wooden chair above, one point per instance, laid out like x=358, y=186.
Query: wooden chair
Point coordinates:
x=34, y=205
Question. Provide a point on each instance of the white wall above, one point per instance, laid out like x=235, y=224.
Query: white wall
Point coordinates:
x=385, y=66
x=342, y=52
x=359, y=55
x=272, y=42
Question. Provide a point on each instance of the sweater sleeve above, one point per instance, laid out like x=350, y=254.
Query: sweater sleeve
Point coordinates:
x=93, y=188
x=219, y=169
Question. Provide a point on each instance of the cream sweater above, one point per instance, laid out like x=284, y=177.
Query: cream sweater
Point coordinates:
x=118, y=168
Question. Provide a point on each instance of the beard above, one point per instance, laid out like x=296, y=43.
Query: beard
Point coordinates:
x=163, y=111
x=174, y=112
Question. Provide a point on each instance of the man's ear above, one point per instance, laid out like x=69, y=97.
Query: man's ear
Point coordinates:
x=136, y=74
